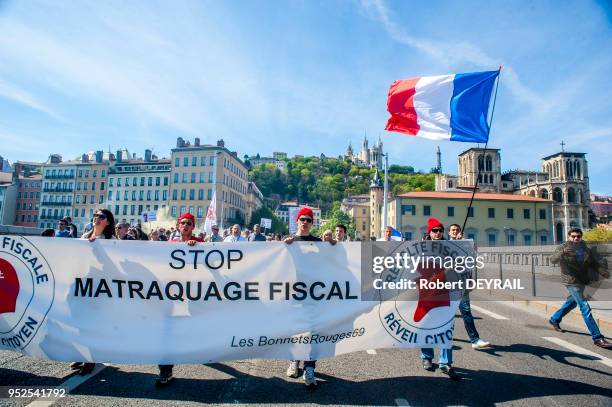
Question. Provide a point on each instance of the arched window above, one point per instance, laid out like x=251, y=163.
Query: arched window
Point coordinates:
x=480, y=163
x=578, y=172
x=571, y=195
x=480, y=178
x=532, y=193
x=544, y=194
x=559, y=232
x=489, y=163
x=450, y=184
x=558, y=195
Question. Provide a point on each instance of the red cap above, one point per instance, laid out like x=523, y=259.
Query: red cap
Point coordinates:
x=187, y=216
x=433, y=223
x=305, y=211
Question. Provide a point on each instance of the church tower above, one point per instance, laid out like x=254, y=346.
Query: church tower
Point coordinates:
x=376, y=204
x=482, y=165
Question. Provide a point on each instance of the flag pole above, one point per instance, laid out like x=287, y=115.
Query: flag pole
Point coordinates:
x=484, y=152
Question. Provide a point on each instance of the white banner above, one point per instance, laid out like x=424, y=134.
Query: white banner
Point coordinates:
x=159, y=302
x=266, y=223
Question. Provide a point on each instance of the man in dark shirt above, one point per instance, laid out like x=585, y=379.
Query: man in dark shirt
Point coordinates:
x=256, y=236
x=304, y=221
x=72, y=227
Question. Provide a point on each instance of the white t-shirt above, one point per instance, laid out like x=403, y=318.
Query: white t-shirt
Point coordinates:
x=232, y=238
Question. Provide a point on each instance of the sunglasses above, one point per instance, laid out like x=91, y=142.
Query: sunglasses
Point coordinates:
x=186, y=222
x=437, y=230
x=100, y=216
x=307, y=220
x=575, y=236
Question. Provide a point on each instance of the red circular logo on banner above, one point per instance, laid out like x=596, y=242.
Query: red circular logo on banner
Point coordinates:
x=9, y=287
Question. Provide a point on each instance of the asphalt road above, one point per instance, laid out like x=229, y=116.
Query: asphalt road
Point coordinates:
x=522, y=368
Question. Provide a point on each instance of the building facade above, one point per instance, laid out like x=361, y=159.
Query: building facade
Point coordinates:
x=29, y=190
x=137, y=186
x=8, y=195
x=255, y=200
x=198, y=172
x=90, y=191
x=58, y=181
x=368, y=157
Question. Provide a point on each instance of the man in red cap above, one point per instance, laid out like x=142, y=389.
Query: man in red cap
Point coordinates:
x=186, y=224
x=304, y=220
x=435, y=231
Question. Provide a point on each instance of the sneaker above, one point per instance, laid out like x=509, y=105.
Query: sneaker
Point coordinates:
x=294, y=369
x=309, y=377
x=87, y=368
x=555, y=326
x=427, y=365
x=450, y=372
x=164, y=378
x=480, y=344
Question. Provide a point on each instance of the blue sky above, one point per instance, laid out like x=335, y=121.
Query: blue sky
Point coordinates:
x=303, y=77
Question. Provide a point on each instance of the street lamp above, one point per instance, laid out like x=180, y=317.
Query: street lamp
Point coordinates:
x=385, y=194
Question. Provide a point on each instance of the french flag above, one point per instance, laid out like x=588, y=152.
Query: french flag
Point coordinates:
x=447, y=107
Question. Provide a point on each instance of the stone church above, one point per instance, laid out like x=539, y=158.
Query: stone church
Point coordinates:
x=563, y=178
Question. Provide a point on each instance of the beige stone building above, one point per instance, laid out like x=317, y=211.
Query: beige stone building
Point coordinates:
x=200, y=170
x=255, y=200
x=90, y=189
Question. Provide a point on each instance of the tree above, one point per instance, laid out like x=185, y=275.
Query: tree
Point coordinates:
x=277, y=225
x=336, y=216
x=598, y=234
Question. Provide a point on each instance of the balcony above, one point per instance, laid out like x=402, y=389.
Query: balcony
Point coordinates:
x=63, y=176
x=49, y=203
x=51, y=217
x=58, y=189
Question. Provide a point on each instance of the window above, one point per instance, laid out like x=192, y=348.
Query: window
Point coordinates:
x=173, y=210
x=134, y=181
x=526, y=214
x=85, y=186
x=202, y=161
x=91, y=199
x=192, y=194
x=164, y=195
x=209, y=195
x=491, y=212
x=93, y=186
x=149, y=195
x=491, y=237
x=86, y=173
x=426, y=210
x=185, y=161
x=193, y=177
x=202, y=177
x=110, y=195
x=157, y=181
x=95, y=173
x=177, y=163
x=80, y=173
x=175, y=194
x=117, y=197
x=176, y=178
x=408, y=235
x=408, y=209
x=101, y=186
x=184, y=178
x=142, y=181
x=133, y=195
x=183, y=194
x=110, y=182
x=527, y=239
x=101, y=199
x=543, y=239
x=199, y=211
x=471, y=213
x=103, y=174
x=118, y=183
x=511, y=239
x=132, y=209
x=126, y=196
x=510, y=213
x=150, y=181
x=165, y=181
x=210, y=176
x=542, y=213
x=201, y=194
x=156, y=195
x=212, y=160
x=194, y=161
x=450, y=211
x=140, y=195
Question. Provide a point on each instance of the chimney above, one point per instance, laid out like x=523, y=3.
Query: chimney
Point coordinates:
x=196, y=142
x=99, y=156
x=84, y=158
x=119, y=156
x=220, y=143
x=147, y=156
x=55, y=159
x=180, y=143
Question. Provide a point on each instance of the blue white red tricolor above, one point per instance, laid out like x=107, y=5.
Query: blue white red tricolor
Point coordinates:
x=446, y=107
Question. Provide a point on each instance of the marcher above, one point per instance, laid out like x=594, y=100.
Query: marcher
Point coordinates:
x=74, y=233
x=235, y=236
x=341, y=235
x=214, y=235
x=186, y=224
x=326, y=236
x=257, y=236
x=122, y=231
x=576, y=259
x=304, y=220
x=435, y=231
x=103, y=228
x=454, y=233
x=62, y=231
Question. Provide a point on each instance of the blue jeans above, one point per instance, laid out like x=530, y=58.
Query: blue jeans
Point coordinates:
x=446, y=355
x=576, y=298
x=468, y=318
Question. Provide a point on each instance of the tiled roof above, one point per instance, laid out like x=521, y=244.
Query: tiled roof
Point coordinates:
x=479, y=196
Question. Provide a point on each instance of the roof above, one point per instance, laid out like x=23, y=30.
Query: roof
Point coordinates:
x=479, y=196
x=564, y=154
x=478, y=149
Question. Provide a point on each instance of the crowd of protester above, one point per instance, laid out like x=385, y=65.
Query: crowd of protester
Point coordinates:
x=103, y=226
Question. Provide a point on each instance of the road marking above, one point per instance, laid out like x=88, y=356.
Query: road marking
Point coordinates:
x=575, y=348
x=371, y=351
x=402, y=402
x=487, y=312
x=70, y=384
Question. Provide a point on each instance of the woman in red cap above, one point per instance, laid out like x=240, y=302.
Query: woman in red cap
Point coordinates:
x=435, y=231
x=304, y=220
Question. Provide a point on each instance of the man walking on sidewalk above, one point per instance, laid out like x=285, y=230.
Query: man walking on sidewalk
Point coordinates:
x=576, y=259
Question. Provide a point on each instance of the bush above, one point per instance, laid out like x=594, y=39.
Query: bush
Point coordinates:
x=599, y=235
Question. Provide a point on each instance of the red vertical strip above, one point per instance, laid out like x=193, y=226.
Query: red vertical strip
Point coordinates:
x=400, y=103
